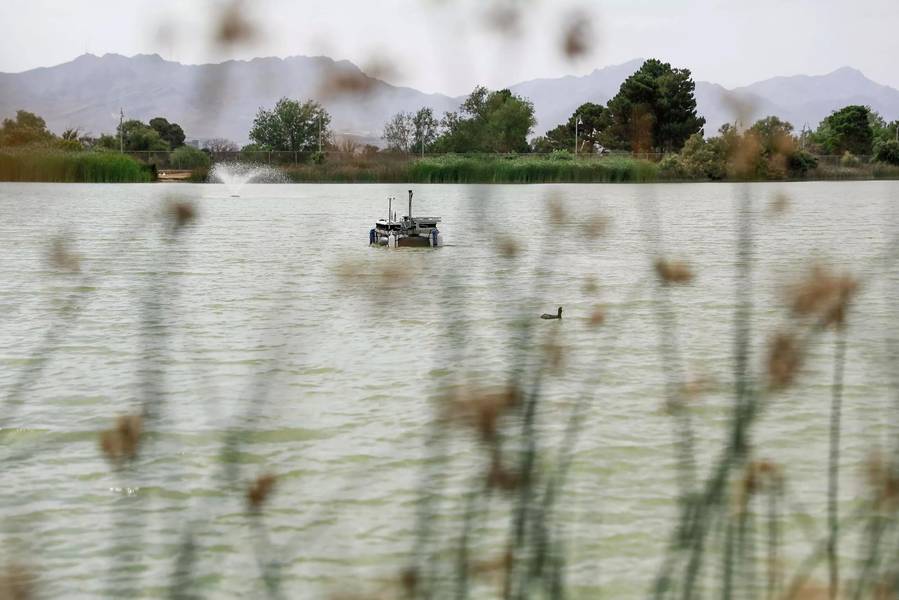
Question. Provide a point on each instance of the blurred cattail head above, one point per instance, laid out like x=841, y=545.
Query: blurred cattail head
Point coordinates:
x=181, y=213
x=745, y=156
x=233, y=27
x=673, y=271
x=503, y=18
x=557, y=213
x=598, y=316
x=758, y=477
x=823, y=295
x=409, y=582
x=553, y=352
x=500, y=477
x=260, y=490
x=883, y=480
x=345, y=80
x=577, y=36
x=17, y=583
x=122, y=441
x=507, y=246
x=62, y=256
x=591, y=284
x=480, y=409
x=812, y=591
x=784, y=360
x=596, y=226
x=779, y=204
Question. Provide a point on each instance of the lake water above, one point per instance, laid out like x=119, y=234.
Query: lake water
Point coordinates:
x=271, y=313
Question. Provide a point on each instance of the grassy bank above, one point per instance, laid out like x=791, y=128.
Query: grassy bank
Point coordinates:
x=111, y=167
x=530, y=169
x=475, y=169
x=533, y=169
x=72, y=167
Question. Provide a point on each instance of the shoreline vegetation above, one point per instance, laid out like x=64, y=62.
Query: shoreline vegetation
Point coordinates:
x=57, y=166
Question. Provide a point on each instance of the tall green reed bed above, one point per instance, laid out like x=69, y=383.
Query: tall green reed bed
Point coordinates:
x=486, y=168
x=72, y=167
x=530, y=169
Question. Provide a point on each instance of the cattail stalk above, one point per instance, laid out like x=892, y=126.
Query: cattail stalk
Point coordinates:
x=834, y=463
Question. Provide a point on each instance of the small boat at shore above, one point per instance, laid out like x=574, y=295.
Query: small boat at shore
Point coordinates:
x=408, y=231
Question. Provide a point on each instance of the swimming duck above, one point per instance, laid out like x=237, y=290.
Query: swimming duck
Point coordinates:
x=549, y=316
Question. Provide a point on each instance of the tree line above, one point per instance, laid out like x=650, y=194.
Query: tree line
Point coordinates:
x=159, y=135
x=654, y=111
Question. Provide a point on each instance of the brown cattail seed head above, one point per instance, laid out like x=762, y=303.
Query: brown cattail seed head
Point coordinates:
x=673, y=271
x=17, y=583
x=409, y=581
x=779, y=204
x=61, y=256
x=784, y=360
x=598, y=316
x=501, y=478
x=824, y=296
x=122, y=442
x=181, y=214
x=576, y=36
x=481, y=410
x=260, y=490
x=596, y=226
x=883, y=479
x=507, y=247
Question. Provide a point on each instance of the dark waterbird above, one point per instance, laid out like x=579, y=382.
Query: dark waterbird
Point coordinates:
x=549, y=316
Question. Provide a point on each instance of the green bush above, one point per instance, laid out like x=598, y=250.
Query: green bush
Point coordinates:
x=560, y=155
x=703, y=159
x=801, y=162
x=887, y=151
x=671, y=167
x=849, y=160
x=188, y=157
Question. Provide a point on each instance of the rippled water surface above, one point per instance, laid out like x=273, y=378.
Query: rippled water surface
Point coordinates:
x=272, y=314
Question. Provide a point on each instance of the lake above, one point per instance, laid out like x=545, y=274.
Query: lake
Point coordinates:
x=270, y=316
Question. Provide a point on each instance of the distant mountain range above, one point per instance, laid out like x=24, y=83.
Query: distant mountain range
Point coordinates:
x=220, y=100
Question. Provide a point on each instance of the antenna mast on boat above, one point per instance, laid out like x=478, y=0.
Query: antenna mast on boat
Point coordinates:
x=389, y=208
x=410, y=204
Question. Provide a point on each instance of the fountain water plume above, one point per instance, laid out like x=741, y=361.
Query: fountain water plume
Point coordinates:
x=237, y=174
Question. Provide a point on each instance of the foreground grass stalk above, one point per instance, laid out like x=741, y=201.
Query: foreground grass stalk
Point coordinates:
x=834, y=464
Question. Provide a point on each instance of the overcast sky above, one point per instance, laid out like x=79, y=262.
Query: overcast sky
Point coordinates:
x=450, y=45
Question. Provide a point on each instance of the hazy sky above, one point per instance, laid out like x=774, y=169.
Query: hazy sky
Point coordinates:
x=450, y=45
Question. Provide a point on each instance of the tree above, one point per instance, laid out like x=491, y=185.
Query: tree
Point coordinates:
x=398, y=132
x=136, y=137
x=847, y=130
x=774, y=135
x=557, y=138
x=424, y=129
x=496, y=121
x=591, y=132
x=218, y=145
x=26, y=128
x=292, y=126
x=655, y=108
x=170, y=132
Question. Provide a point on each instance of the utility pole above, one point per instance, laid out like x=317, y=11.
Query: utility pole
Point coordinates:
x=577, y=122
x=319, y=133
x=121, y=130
